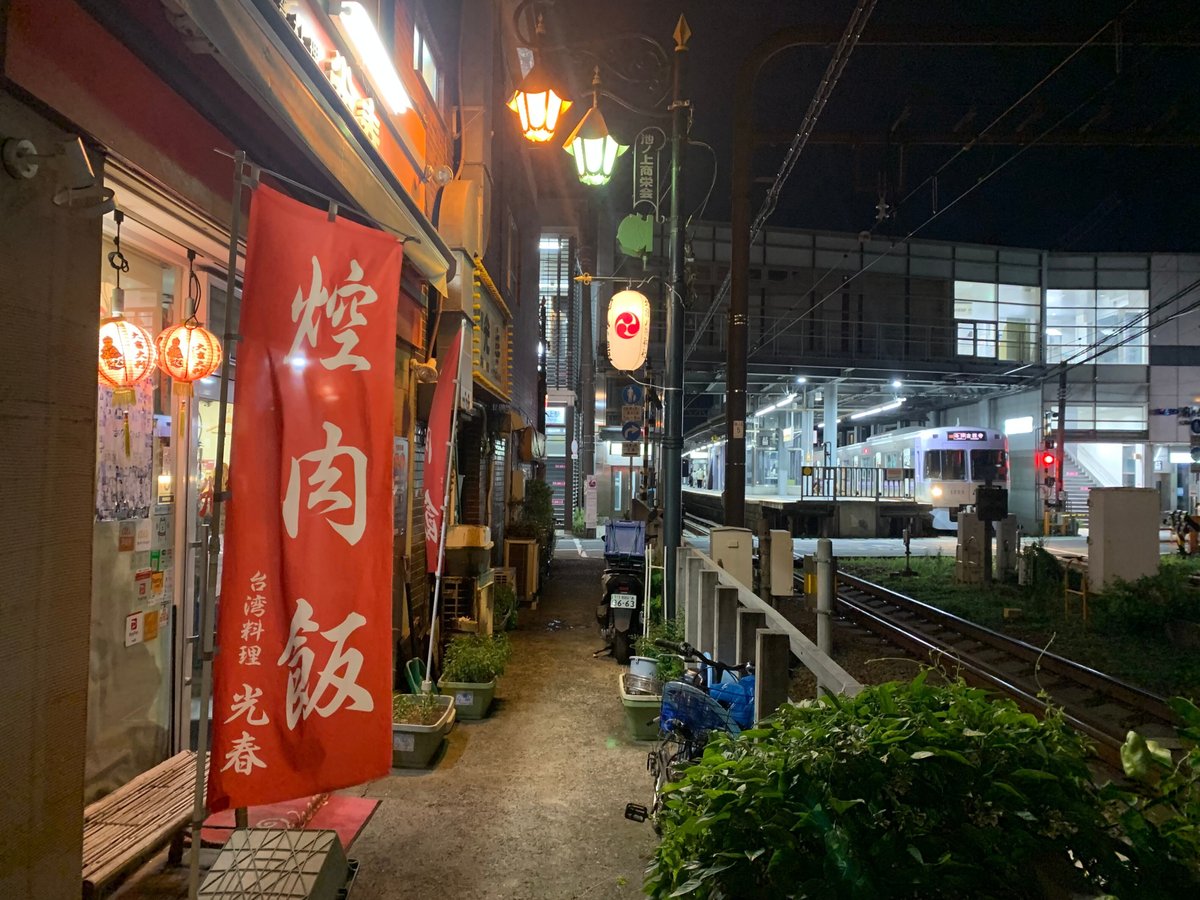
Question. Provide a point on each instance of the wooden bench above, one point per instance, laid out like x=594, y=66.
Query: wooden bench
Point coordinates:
x=126, y=827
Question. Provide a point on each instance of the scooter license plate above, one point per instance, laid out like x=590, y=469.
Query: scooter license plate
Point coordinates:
x=622, y=601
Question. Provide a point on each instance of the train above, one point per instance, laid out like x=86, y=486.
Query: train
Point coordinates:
x=947, y=462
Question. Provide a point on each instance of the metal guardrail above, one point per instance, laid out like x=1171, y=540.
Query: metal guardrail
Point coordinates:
x=846, y=483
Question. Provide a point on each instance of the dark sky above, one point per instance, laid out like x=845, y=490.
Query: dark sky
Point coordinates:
x=895, y=103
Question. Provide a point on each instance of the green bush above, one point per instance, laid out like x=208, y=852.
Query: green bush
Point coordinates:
x=476, y=659
x=669, y=665
x=578, y=522
x=416, y=709
x=505, y=606
x=909, y=790
x=537, y=519
x=1148, y=603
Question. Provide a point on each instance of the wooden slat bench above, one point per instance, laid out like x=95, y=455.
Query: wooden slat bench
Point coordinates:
x=137, y=820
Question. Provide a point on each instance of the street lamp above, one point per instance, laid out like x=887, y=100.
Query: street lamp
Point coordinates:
x=594, y=148
x=535, y=101
x=595, y=152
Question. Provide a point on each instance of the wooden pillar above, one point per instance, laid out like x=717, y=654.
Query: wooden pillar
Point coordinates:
x=725, y=625
x=748, y=623
x=771, y=675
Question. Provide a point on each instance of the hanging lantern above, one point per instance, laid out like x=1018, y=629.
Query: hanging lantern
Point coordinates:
x=594, y=149
x=187, y=353
x=127, y=355
x=628, y=330
x=538, y=106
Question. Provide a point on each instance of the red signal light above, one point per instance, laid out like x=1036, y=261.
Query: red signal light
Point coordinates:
x=1048, y=459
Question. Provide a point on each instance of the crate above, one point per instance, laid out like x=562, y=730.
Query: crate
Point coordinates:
x=466, y=604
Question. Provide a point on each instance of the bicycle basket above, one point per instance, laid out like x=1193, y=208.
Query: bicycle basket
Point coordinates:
x=693, y=710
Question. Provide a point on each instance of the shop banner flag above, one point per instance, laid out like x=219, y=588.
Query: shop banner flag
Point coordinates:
x=303, y=672
x=437, y=455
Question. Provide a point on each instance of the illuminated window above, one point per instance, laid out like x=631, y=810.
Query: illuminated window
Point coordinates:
x=997, y=321
x=426, y=63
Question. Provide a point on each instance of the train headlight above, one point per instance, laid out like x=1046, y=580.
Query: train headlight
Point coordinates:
x=936, y=490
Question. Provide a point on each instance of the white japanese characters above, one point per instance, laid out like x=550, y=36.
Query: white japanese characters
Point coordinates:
x=243, y=758
x=324, y=480
x=337, y=684
x=340, y=308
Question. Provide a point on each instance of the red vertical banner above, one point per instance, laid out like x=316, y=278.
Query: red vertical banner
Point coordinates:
x=437, y=449
x=303, y=673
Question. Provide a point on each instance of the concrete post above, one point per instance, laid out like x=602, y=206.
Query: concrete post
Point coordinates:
x=725, y=624
x=748, y=624
x=829, y=433
x=771, y=675
x=824, y=596
x=707, y=611
x=691, y=587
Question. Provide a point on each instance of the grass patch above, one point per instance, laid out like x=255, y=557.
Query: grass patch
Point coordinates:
x=1143, y=657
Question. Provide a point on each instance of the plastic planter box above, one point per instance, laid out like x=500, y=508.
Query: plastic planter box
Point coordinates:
x=413, y=746
x=472, y=700
x=641, y=711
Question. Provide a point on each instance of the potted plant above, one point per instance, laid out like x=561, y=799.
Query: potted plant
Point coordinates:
x=420, y=722
x=469, y=672
x=504, y=600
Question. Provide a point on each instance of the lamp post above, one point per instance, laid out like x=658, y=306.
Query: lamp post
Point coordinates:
x=595, y=152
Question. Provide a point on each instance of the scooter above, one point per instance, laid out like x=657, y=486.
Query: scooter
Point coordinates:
x=624, y=587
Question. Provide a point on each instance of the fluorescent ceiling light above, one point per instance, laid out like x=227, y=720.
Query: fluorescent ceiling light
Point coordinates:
x=1053, y=332
x=895, y=404
x=356, y=24
x=786, y=401
x=1019, y=425
x=1178, y=458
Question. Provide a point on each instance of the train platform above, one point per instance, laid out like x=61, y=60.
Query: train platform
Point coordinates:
x=841, y=515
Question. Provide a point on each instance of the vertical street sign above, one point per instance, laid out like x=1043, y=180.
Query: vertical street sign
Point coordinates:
x=647, y=173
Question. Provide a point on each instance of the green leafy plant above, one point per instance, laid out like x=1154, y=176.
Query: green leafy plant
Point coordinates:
x=669, y=665
x=476, y=659
x=416, y=709
x=911, y=790
x=1148, y=603
x=537, y=519
x=578, y=523
x=505, y=604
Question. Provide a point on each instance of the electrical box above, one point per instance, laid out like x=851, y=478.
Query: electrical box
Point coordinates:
x=991, y=503
x=968, y=559
x=782, y=563
x=1122, y=534
x=733, y=550
x=516, y=485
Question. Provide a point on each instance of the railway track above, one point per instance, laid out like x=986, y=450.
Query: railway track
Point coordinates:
x=1101, y=707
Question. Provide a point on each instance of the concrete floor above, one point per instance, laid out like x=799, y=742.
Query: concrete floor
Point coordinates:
x=528, y=803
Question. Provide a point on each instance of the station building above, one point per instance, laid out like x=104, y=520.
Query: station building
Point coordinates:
x=962, y=334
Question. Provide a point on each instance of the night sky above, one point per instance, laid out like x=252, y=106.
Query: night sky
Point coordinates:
x=893, y=101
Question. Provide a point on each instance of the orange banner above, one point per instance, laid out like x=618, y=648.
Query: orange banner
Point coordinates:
x=303, y=673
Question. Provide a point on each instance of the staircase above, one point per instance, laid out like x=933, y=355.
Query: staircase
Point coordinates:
x=1078, y=483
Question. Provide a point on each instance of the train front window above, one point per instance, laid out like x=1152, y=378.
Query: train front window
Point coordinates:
x=985, y=462
x=946, y=465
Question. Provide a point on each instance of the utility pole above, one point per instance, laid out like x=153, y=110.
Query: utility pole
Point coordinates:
x=672, y=456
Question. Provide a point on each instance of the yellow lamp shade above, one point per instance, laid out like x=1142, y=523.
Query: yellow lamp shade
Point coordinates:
x=594, y=148
x=538, y=106
x=127, y=355
x=187, y=353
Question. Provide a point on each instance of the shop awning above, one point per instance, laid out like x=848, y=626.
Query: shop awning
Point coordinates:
x=251, y=49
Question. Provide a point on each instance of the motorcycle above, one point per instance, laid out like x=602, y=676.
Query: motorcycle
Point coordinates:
x=623, y=586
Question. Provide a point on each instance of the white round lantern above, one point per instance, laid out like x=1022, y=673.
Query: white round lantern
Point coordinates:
x=628, y=330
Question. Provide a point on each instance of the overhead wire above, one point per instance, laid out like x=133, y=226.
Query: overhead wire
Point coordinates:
x=978, y=183
x=1113, y=22
x=829, y=80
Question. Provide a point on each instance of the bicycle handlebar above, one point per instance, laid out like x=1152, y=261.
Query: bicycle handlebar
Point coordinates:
x=688, y=652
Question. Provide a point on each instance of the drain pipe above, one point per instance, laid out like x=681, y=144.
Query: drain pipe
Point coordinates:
x=824, y=595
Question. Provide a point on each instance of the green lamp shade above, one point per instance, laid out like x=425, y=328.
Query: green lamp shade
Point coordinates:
x=594, y=149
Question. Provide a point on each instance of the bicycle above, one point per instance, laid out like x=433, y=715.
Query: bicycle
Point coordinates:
x=713, y=697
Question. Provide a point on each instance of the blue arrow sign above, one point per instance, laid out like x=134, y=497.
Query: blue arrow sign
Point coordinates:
x=631, y=431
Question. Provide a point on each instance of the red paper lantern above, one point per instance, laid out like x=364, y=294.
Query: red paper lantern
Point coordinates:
x=127, y=355
x=187, y=353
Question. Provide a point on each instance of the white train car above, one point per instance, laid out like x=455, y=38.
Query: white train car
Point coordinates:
x=948, y=463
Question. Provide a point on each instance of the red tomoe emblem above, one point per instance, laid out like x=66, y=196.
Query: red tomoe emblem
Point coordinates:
x=627, y=325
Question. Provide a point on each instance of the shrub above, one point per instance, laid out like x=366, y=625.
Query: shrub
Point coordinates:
x=669, y=665
x=909, y=790
x=476, y=659
x=1148, y=603
x=505, y=606
x=416, y=709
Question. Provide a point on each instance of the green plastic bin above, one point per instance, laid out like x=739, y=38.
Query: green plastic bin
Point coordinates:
x=471, y=700
x=641, y=712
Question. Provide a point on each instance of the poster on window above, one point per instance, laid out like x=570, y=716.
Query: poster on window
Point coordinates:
x=304, y=624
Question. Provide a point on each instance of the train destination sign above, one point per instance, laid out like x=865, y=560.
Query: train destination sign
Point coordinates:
x=966, y=435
